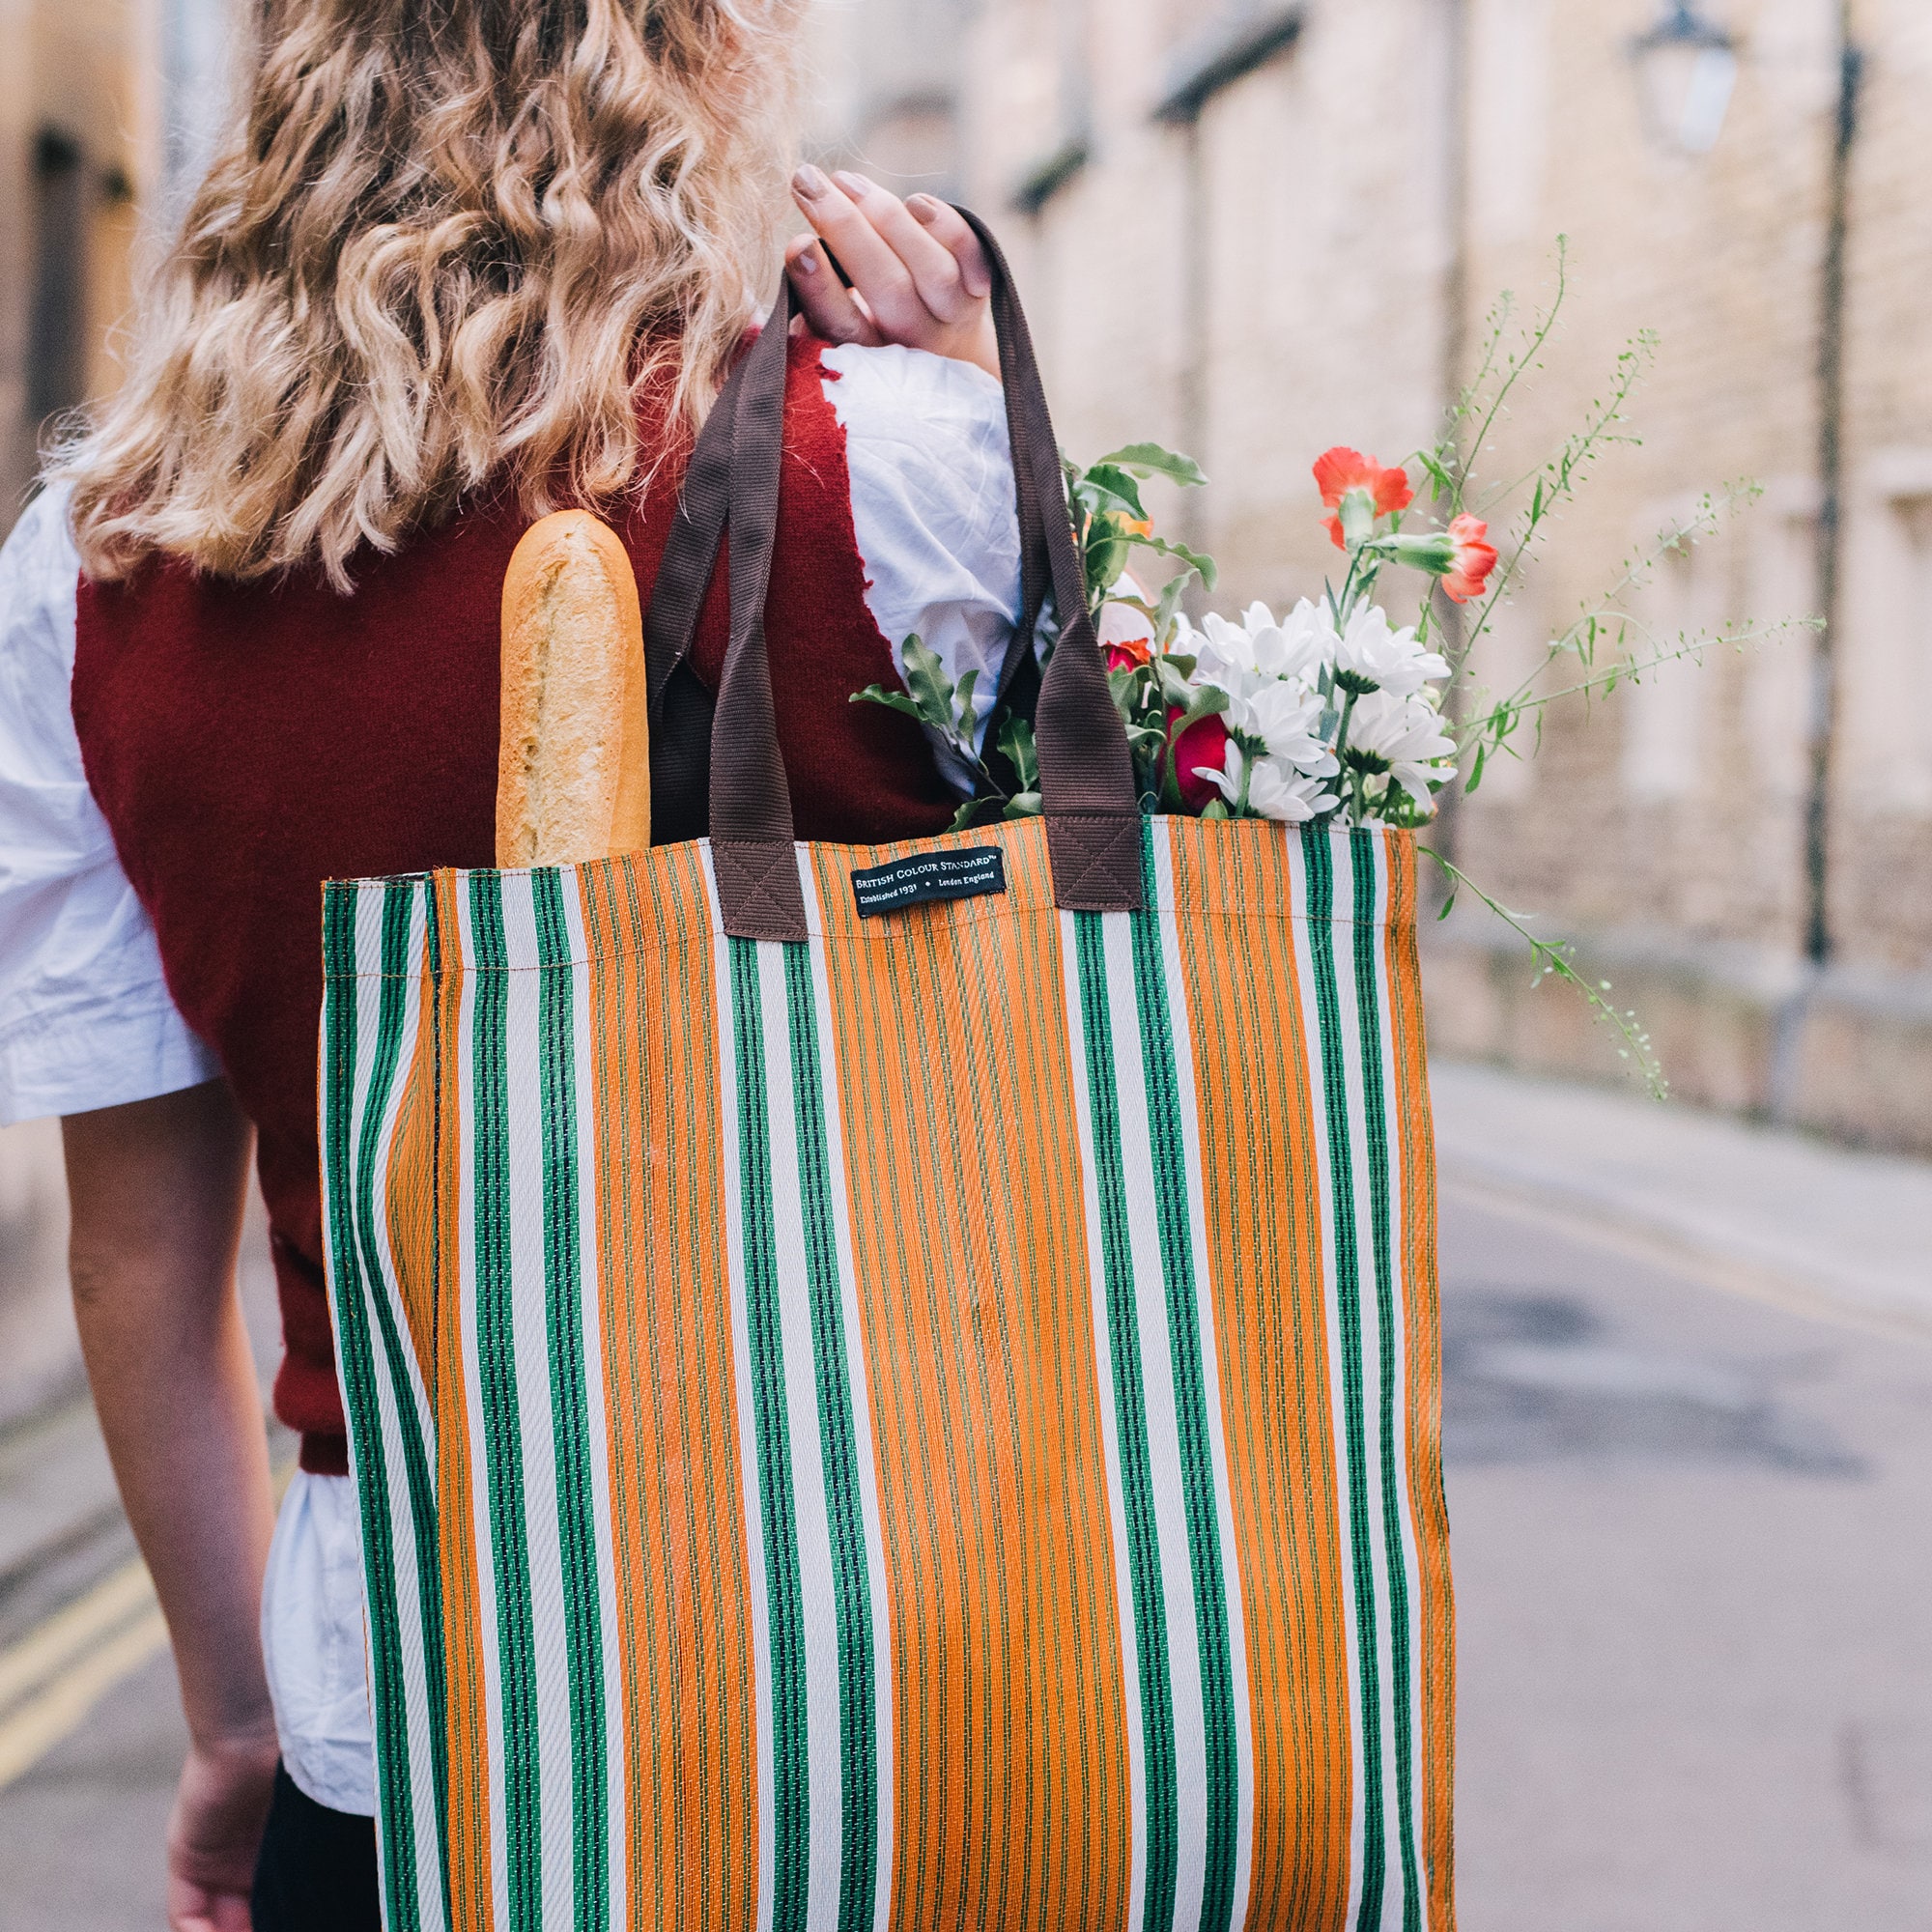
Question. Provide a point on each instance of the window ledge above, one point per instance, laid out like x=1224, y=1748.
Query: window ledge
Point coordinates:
x=1229, y=52
x=1048, y=175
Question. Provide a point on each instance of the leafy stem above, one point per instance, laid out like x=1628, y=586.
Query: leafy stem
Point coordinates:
x=1517, y=366
x=948, y=710
x=1556, y=960
x=1111, y=522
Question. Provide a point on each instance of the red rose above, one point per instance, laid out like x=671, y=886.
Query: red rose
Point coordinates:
x=1128, y=654
x=1202, y=747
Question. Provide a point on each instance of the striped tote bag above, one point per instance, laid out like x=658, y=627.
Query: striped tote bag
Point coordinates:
x=896, y=1387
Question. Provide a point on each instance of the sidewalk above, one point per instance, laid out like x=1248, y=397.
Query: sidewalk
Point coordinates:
x=1757, y=1211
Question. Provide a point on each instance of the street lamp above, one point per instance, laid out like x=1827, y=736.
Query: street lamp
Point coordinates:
x=1687, y=69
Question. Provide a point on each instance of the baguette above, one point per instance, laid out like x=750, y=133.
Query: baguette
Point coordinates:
x=573, y=765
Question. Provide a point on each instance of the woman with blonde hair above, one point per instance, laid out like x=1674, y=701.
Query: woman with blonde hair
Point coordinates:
x=459, y=261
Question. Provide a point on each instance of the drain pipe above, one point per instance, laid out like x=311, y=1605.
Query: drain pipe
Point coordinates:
x=1789, y=1023
x=1818, y=936
x=1447, y=614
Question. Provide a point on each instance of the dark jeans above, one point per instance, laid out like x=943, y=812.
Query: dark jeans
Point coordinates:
x=317, y=1870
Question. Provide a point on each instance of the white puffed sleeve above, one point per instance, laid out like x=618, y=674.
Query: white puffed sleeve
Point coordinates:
x=85, y=1016
x=932, y=509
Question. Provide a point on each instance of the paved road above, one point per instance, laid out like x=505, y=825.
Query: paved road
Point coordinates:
x=1693, y=1555
x=1693, y=1542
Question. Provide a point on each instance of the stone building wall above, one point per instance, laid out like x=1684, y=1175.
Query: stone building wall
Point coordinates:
x=1261, y=229
x=106, y=107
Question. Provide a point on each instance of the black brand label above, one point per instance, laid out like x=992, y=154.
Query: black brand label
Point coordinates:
x=974, y=873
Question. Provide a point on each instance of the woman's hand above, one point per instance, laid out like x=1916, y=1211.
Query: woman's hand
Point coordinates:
x=215, y=1831
x=919, y=274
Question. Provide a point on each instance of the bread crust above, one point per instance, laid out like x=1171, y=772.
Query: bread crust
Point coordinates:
x=573, y=765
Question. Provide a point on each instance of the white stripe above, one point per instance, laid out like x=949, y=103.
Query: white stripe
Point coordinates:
x=859, y=1385
x=1181, y=1031
x=1373, y=1415
x=1104, y=1393
x=1405, y=1291
x=818, y=1599
x=590, y=1166
x=740, y=1362
x=487, y=1606
x=1313, y=935
x=1166, y=1477
x=522, y=1055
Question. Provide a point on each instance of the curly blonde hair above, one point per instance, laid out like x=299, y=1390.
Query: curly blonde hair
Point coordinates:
x=447, y=242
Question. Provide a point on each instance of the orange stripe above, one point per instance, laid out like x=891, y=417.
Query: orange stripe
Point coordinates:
x=1233, y=886
x=1416, y=1200
x=469, y=1889
x=1010, y=1778
x=684, y=1632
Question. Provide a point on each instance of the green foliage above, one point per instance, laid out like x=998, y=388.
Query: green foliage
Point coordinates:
x=948, y=710
x=1150, y=459
x=1111, y=522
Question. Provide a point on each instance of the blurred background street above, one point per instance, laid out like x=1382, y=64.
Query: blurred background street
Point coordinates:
x=1690, y=1472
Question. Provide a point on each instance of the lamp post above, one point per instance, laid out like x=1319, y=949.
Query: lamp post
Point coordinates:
x=1687, y=69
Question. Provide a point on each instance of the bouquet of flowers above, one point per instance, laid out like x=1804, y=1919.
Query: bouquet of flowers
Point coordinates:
x=1330, y=709
x=1333, y=712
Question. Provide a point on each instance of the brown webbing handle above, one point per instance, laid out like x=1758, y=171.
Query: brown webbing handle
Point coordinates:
x=752, y=857
x=1087, y=777
x=682, y=708
x=1086, y=769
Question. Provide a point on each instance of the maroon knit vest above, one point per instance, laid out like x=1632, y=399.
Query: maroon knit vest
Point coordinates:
x=246, y=742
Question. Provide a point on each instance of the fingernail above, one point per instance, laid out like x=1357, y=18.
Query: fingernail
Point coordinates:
x=924, y=209
x=809, y=182
x=806, y=261
x=854, y=185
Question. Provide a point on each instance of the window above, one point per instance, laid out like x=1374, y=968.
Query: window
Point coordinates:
x=1913, y=617
x=57, y=338
x=1510, y=652
x=1885, y=655
x=1777, y=671
x=1666, y=719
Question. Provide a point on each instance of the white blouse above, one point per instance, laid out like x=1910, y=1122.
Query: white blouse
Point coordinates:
x=85, y=1016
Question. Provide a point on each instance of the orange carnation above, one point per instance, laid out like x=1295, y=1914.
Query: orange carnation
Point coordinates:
x=1340, y=471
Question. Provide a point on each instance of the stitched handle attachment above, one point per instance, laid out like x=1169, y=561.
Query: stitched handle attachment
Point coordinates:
x=727, y=753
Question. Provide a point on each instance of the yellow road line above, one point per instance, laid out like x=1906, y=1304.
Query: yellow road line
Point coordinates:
x=31, y=1661
x=58, y=1673
x=53, y=1713
x=1657, y=1248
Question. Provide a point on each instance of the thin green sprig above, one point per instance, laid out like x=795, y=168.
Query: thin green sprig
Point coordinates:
x=1553, y=958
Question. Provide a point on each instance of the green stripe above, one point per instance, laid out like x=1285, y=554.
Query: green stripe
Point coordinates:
x=502, y=1423
x=791, y=1789
x=845, y=1506
x=1369, y=913
x=353, y=1296
x=398, y=986
x=574, y=1447
x=1348, y=1320
x=1157, y=1749
x=1168, y=1148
